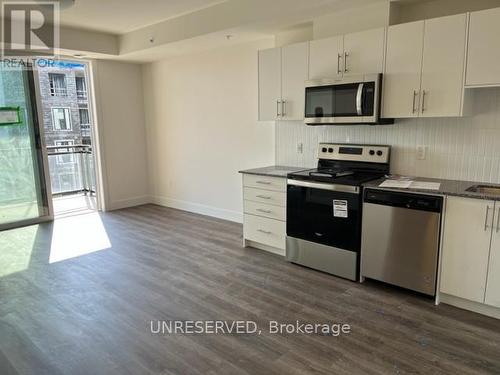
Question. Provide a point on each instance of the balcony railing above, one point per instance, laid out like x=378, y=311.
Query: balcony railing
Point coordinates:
x=81, y=94
x=58, y=91
x=85, y=130
x=72, y=169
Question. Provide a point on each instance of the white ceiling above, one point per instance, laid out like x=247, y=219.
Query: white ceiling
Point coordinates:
x=121, y=16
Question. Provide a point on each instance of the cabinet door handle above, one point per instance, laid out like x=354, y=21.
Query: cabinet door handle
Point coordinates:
x=345, y=62
x=278, y=108
x=264, y=182
x=423, y=100
x=486, y=226
x=263, y=231
x=415, y=95
x=264, y=211
x=264, y=196
x=339, y=70
x=498, y=220
x=283, y=108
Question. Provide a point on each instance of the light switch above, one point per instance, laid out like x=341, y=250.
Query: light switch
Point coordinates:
x=421, y=152
x=300, y=148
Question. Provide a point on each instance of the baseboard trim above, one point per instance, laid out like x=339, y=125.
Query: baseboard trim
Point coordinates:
x=198, y=208
x=470, y=305
x=129, y=202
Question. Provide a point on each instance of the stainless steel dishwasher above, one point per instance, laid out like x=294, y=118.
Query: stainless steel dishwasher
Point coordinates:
x=400, y=239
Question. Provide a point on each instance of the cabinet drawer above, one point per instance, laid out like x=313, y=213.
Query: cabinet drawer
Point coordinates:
x=264, y=196
x=265, y=231
x=264, y=182
x=266, y=210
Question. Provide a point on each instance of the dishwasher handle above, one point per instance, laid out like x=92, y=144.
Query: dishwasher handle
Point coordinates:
x=404, y=200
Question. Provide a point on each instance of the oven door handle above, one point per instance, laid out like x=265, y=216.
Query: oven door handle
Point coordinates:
x=359, y=99
x=332, y=187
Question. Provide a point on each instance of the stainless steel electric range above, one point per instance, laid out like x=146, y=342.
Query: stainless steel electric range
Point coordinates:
x=324, y=207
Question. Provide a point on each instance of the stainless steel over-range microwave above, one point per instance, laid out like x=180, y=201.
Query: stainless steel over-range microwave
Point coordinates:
x=350, y=100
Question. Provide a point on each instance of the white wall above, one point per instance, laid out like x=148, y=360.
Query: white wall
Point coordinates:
x=122, y=136
x=458, y=148
x=201, y=120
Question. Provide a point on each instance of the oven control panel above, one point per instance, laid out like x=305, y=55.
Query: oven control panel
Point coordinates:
x=352, y=152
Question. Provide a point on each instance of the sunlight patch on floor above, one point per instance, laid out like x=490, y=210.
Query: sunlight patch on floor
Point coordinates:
x=16, y=247
x=76, y=236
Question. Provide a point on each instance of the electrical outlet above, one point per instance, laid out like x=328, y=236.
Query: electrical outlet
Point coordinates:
x=421, y=152
x=300, y=148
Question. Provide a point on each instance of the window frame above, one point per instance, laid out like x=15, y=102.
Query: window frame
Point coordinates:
x=81, y=94
x=68, y=122
x=52, y=88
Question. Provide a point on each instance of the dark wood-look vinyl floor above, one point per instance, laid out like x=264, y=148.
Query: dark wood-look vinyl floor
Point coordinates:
x=77, y=297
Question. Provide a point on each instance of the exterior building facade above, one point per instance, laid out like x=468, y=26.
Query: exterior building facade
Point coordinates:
x=66, y=122
x=65, y=104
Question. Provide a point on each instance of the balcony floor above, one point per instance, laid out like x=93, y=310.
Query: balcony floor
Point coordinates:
x=74, y=204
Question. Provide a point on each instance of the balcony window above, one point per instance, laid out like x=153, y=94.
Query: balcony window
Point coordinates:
x=66, y=155
x=57, y=84
x=61, y=119
x=84, y=116
x=81, y=88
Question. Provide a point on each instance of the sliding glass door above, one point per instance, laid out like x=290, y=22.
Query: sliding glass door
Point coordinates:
x=23, y=193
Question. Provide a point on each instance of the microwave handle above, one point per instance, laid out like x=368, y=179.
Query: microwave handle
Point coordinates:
x=359, y=99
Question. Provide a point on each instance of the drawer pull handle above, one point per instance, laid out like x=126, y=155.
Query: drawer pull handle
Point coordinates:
x=264, y=196
x=264, y=211
x=264, y=182
x=263, y=231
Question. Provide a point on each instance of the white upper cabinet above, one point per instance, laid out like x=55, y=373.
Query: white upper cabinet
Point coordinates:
x=282, y=76
x=269, y=84
x=364, y=52
x=403, y=67
x=425, y=63
x=443, y=66
x=465, y=253
x=483, y=67
x=326, y=58
x=493, y=283
x=294, y=72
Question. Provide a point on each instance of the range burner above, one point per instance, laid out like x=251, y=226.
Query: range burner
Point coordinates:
x=331, y=173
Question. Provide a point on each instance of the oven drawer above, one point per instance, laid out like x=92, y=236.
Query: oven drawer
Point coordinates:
x=264, y=196
x=266, y=210
x=264, y=182
x=265, y=231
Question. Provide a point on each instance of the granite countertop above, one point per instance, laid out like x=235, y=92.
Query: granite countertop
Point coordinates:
x=273, y=171
x=448, y=187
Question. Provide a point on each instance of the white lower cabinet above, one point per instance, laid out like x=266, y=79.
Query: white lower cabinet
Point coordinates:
x=264, y=203
x=470, y=267
x=266, y=231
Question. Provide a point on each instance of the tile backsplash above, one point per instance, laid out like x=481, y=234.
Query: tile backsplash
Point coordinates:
x=465, y=148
